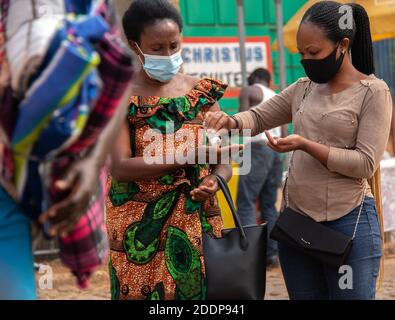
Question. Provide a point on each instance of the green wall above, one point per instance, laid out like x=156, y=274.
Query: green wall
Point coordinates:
x=219, y=18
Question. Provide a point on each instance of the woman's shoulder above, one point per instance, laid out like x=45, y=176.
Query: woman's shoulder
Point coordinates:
x=378, y=94
x=200, y=93
x=201, y=83
x=207, y=89
x=303, y=80
x=375, y=84
x=190, y=81
x=298, y=87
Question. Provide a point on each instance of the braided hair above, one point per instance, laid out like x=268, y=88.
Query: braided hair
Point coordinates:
x=327, y=16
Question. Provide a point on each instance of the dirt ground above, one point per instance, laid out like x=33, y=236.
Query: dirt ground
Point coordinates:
x=64, y=287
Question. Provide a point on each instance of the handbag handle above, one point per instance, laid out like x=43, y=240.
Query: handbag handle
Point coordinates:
x=225, y=190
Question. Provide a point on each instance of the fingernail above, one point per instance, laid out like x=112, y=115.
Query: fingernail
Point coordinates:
x=61, y=184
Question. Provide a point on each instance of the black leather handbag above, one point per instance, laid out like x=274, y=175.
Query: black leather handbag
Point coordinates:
x=314, y=239
x=300, y=232
x=236, y=263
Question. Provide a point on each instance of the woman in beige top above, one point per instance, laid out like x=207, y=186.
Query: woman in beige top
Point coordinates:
x=341, y=116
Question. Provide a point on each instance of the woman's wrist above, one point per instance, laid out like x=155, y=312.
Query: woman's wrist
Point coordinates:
x=223, y=170
x=304, y=144
x=234, y=123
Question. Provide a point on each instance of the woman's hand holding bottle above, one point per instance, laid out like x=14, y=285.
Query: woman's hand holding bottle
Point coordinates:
x=219, y=121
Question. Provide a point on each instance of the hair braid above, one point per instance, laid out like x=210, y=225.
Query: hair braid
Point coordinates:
x=362, y=47
x=327, y=16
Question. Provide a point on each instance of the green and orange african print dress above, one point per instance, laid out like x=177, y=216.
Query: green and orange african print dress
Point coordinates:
x=154, y=226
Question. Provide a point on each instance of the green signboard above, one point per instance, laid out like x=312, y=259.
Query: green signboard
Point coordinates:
x=218, y=18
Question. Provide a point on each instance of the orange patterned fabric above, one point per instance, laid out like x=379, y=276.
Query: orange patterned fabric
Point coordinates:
x=155, y=228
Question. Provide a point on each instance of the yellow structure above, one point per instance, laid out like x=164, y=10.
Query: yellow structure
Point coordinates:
x=226, y=213
x=381, y=14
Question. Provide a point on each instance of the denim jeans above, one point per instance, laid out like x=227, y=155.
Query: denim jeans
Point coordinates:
x=16, y=257
x=309, y=279
x=260, y=184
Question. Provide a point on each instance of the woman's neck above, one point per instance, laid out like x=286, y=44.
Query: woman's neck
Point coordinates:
x=147, y=81
x=347, y=76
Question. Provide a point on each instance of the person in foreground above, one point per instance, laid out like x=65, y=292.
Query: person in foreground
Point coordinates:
x=262, y=182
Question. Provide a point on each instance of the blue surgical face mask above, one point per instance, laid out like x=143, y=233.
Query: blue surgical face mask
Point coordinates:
x=162, y=68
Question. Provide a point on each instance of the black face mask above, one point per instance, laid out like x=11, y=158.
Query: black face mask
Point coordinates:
x=323, y=70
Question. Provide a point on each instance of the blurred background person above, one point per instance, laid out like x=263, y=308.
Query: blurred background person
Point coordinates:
x=264, y=179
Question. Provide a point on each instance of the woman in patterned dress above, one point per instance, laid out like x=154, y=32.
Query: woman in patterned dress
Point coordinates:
x=156, y=213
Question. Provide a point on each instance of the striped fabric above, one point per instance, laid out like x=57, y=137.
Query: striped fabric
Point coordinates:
x=87, y=245
x=58, y=85
x=115, y=71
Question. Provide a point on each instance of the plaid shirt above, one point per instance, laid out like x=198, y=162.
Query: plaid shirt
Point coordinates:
x=86, y=247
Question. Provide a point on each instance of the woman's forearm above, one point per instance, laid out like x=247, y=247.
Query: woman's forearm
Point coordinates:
x=316, y=150
x=350, y=163
x=137, y=168
x=224, y=170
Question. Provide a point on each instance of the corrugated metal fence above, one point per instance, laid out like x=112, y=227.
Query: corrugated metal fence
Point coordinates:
x=384, y=56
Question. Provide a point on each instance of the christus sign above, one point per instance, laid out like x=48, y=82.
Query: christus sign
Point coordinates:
x=219, y=57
